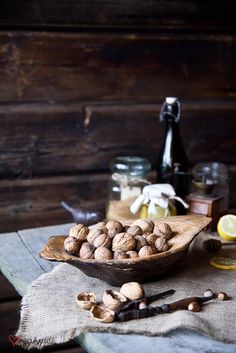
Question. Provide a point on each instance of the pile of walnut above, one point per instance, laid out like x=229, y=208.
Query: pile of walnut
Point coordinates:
x=112, y=240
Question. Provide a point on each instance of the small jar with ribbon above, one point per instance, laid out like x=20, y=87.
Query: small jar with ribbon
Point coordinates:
x=127, y=181
x=156, y=200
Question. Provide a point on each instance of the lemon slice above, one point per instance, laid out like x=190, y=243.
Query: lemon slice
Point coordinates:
x=224, y=263
x=226, y=227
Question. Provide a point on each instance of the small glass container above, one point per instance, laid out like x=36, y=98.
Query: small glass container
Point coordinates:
x=126, y=184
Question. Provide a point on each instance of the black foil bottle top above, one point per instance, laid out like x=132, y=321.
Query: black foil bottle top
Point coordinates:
x=170, y=109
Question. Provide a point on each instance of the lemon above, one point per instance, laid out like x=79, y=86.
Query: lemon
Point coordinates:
x=224, y=263
x=226, y=227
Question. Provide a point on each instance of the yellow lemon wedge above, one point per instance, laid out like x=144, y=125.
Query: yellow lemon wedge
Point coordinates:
x=226, y=227
x=224, y=263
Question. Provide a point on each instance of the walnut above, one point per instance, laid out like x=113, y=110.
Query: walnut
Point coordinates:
x=94, y=233
x=123, y=242
x=134, y=230
x=132, y=290
x=163, y=229
x=79, y=231
x=125, y=228
x=147, y=251
x=99, y=225
x=102, y=240
x=120, y=255
x=114, y=227
x=132, y=254
x=140, y=242
x=161, y=244
x=146, y=225
x=86, y=251
x=103, y=253
x=151, y=238
x=72, y=245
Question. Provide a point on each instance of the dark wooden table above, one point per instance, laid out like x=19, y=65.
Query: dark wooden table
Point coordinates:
x=20, y=263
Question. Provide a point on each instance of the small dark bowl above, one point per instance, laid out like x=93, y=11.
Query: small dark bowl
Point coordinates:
x=143, y=269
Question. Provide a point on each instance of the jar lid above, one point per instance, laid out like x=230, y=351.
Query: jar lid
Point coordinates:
x=131, y=165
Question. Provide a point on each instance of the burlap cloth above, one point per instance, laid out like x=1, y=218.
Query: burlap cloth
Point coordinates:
x=49, y=313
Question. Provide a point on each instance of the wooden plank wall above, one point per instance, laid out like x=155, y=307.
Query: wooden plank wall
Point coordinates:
x=82, y=82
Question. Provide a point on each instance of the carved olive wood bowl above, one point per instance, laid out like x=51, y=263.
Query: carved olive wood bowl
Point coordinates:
x=143, y=269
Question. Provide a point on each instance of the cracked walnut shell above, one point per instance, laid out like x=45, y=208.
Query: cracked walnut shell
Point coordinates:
x=123, y=242
x=113, y=299
x=79, y=231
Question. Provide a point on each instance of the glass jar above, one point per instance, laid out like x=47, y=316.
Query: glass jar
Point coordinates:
x=126, y=184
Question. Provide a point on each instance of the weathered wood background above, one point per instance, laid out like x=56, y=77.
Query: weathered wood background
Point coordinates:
x=83, y=81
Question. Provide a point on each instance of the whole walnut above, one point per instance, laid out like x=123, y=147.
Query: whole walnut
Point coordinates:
x=86, y=251
x=79, y=231
x=120, y=255
x=114, y=227
x=102, y=240
x=103, y=253
x=147, y=251
x=161, y=244
x=163, y=229
x=123, y=242
x=72, y=245
x=99, y=225
x=146, y=225
x=151, y=238
x=140, y=242
x=132, y=254
x=134, y=230
x=94, y=233
x=132, y=290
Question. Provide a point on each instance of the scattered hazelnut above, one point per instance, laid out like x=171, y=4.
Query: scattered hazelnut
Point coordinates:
x=140, y=242
x=72, y=245
x=103, y=253
x=208, y=293
x=86, y=251
x=194, y=306
x=163, y=229
x=222, y=296
x=114, y=227
x=161, y=244
x=120, y=255
x=147, y=251
x=132, y=254
x=132, y=290
x=134, y=230
x=123, y=242
x=102, y=240
x=79, y=231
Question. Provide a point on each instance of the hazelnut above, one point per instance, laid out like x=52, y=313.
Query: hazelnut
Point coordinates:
x=120, y=255
x=113, y=299
x=151, y=238
x=79, y=231
x=132, y=290
x=222, y=296
x=86, y=251
x=132, y=254
x=94, y=233
x=194, y=306
x=163, y=229
x=143, y=304
x=72, y=245
x=123, y=242
x=208, y=293
x=147, y=251
x=114, y=227
x=161, y=244
x=102, y=240
x=103, y=253
x=140, y=242
x=134, y=230
x=146, y=225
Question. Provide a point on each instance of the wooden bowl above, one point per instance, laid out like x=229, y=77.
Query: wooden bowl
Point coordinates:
x=143, y=269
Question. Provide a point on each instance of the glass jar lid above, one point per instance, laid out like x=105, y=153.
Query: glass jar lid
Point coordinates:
x=130, y=165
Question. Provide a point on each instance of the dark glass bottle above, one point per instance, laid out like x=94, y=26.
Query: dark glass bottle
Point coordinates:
x=172, y=163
